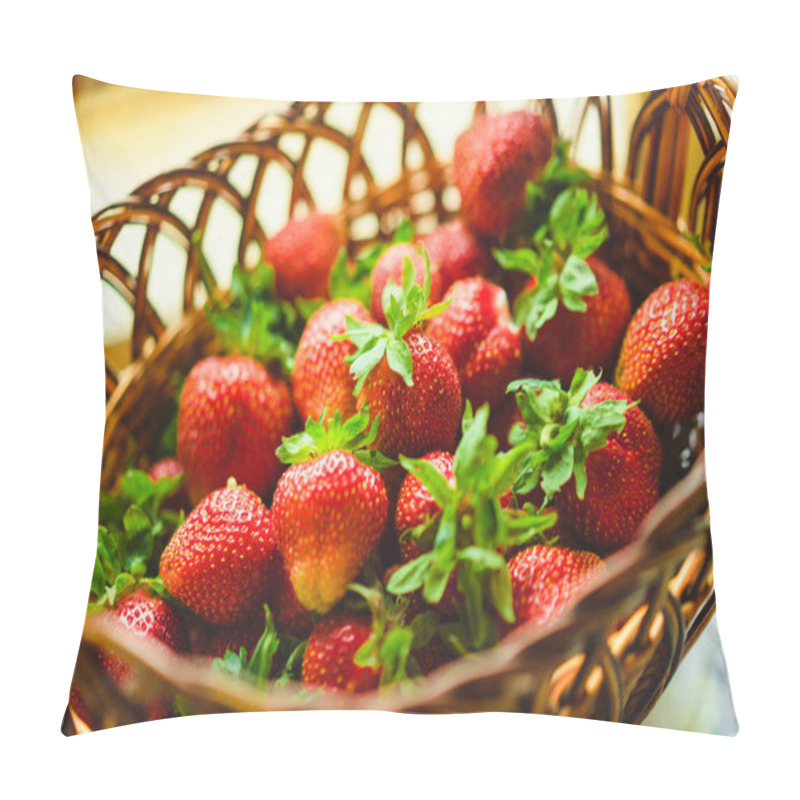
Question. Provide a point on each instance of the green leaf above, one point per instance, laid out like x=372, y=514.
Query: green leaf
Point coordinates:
x=433, y=480
x=410, y=576
x=398, y=356
x=137, y=486
x=577, y=277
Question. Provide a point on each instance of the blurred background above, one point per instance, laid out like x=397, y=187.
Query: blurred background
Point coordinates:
x=129, y=135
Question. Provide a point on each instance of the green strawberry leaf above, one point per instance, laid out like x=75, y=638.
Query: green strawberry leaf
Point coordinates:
x=355, y=435
x=256, y=668
x=405, y=306
x=559, y=433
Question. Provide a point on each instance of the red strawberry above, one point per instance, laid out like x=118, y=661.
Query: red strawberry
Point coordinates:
x=588, y=339
x=303, y=253
x=544, y=579
x=143, y=614
x=622, y=480
x=492, y=161
x=290, y=615
x=389, y=269
x=477, y=331
x=663, y=357
x=329, y=510
x=232, y=416
x=217, y=563
x=415, y=419
x=458, y=253
x=321, y=380
x=170, y=467
x=328, y=660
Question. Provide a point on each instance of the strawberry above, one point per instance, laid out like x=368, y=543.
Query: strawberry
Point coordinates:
x=405, y=377
x=588, y=339
x=291, y=616
x=329, y=658
x=389, y=270
x=594, y=451
x=492, y=161
x=544, y=579
x=217, y=563
x=232, y=415
x=150, y=617
x=622, y=479
x=477, y=331
x=458, y=252
x=573, y=307
x=321, y=380
x=170, y=467
x=455, y=520
x=329, y=508
x=663, y=356
x=303, y=253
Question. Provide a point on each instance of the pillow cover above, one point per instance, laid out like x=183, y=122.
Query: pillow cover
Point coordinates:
x=404, y=403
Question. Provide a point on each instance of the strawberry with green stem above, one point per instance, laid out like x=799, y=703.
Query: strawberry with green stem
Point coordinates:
x=330, y=506
x=403, y=375
x=353, y=280
x=469, y=534
x=365, y=643
x=594, y=451
x=389, y=271
x=573, y=308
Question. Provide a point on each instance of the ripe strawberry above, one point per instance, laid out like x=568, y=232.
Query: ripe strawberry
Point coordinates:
x=290, y=614
x=328, y=660
x=477, y=331
x=663, y=356
x=303, y=253
x=588, y=339
x=170, y=467
x=217, y=563
x=423, y=416
x=231, y=417
x=321, y=379
x=622, y=479
x=329, y=509
x=405, y=377
x=389, y=269
x=145, y=615
x=458, y=252
x=544, y=579
x=492, y=161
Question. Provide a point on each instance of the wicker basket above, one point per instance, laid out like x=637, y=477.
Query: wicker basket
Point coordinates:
x=613, y=653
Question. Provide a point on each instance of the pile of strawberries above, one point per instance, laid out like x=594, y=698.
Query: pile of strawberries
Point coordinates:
x=407, y=455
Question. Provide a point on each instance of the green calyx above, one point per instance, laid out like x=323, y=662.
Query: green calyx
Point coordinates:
x=557, y=434
x=352, y=282
x=471, y=532
x=558, y=174
x=251, y=320
x=405, y=307
x=574, y=229
x=353, y=436
x=256, y=668
x=132, y=526
x=390, y=645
